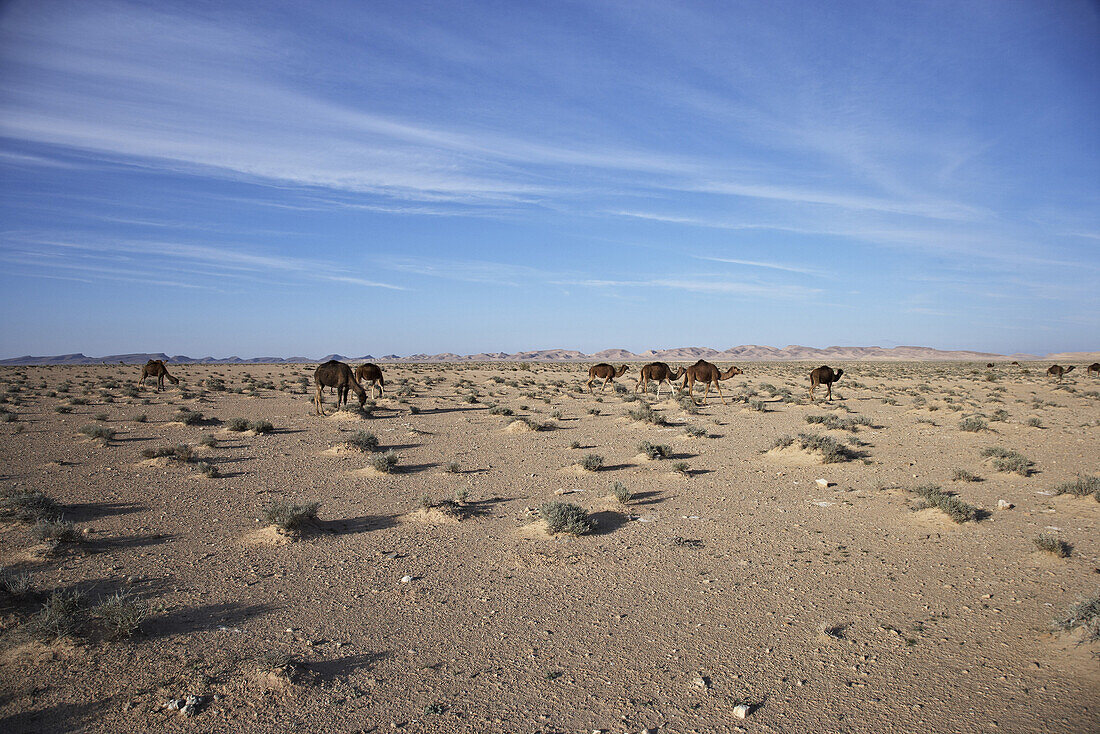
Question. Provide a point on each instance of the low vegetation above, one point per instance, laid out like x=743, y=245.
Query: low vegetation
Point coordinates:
x=563, y=517
x=654, y=451
x=291, y=518
x=1052, y=545
x=1085, y=615
x=385, y=463
x=933, y=496
x=1007, y=460
x=1082, y=486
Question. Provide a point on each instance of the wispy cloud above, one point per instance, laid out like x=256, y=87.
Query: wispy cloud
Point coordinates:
x=758, y=264
x=700, y=285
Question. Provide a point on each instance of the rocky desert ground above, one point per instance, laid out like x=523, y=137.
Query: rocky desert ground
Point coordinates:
x=918, y=554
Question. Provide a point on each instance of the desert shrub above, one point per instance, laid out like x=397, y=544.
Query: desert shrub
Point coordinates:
x=15, y=585
x=557, y=415
x=758, y=405
x=562, y=517
x=239, y=425
x=60, y=616
x=681, y=467
x=56, y=530
x=452, y=468
x=1052, y=545
x=851, y=423
x=591, y=462
x=575, y=445
x=99, y=433
x=216, y=384
x=533, y=424
x=1034, y=422
x=62, y=409
x=121, y=614
x=647, y=414
x=142, y=418
x=695, y=432
x=1006, y=460
x=6, y=416
x=27, y=506
x=830, y=449
x=385, y=463
x=207, y=469
x=781, y=443
x=208, y=440
x=260, y=427
x=101, y=417
x=954, y=507
x=363, y=441
x=180, y=452
x=593, y=411
x=1085, y=614
x=962, y=475
x=1080, y=487
x=619, y=491
x=189, y=417
x=654, y=451
x=500, y=410
x=973, y=424
x=291, y=518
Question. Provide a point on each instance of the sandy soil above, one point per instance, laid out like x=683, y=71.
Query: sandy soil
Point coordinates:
x=744, y=581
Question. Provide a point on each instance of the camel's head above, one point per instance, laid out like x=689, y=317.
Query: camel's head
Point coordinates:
x=837, y=374
x=362, y=399
x=1069, y=369
x=732, y=371
x=623, y=370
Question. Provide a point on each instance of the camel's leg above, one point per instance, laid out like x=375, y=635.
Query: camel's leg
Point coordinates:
x=718, y=385
x=604, y=387
x=381, y=388
x=318, y=401
x=829, y=396
x=589, y=384
x=812, y=386
x=658, y=389
x=705, y=393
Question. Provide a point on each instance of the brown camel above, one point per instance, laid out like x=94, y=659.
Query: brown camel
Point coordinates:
x=660, y=372
x=155, y=368
x=704, y=371
x=824, y=375
x=1056, y=370
x=989, y=365
x=604, y=371
x=372, y=373
x=338, y=375
x=1016, y=363
x=1094, y=367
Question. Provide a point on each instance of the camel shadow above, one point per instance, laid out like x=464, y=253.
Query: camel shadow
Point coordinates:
x=400, y=446
x=616, y=467
x=206, y=617
x=478, y=508
x=107, y=545
x=415, y=468
x=355, y=525
x=438, y=411
x=63, y=717
x=330, y=670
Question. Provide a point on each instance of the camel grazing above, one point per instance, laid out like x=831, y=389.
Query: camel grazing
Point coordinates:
x=155, y=368
x=372, y=373
x=660, y=372
x=1017, y=364
x=824, y=375
x=604, y=371
x=338, y=375
x=1094, y=367
x=704, y=371
x=1056, y=370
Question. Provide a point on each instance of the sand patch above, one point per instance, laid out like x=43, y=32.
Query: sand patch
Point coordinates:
x=932, y=518
x=155, y=462
x=431, y=516
x=343, y=449
x=534, y=531
x=793, y=454
x=370, y=471
x=518, y=427
x=343, y=415
x=267, y=536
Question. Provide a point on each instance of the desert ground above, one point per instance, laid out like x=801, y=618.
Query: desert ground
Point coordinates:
x=428, y=595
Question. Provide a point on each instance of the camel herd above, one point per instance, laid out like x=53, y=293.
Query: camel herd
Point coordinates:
x=343, y=380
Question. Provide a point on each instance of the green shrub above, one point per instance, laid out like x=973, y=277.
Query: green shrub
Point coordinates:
x=363, y=441
x=207, y=469
x=238, y=425
x=591, y=462
x=619, y=491
x=27, y=506
x=695, y=432
x=1084, y=614
x=562, y=517
x=654, y=451
x=973, y=424
x=500, y=410
x=385, y=463
x=962, y=475
x=291, y=518
x=954, y=507
x=1080, y=487
x=189, y=417
x=99, y=433
x=208, y=440
x=60, y=616
x=260, y=427
x=56, y=530
x=647, y=414
x=1005, y=460
x=1052, y=545
x=830, y=449
x=121, y=614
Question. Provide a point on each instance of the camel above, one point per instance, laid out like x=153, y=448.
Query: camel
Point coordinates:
x=1094, y=367
x=604, y=371
x=155, y=368
x=338, y=375
x=372, y=373
x=989, y=365
x=704, y=371
x=1056, y=370
x=824, y=375
x=660, y=372
x=1016, y=363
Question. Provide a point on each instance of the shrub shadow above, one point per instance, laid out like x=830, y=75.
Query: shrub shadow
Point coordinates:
x=206, y=617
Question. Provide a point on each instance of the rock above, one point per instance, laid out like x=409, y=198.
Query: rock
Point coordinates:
x=824, y=482
x=741, y=710
x=701, y=681
x=406, y=579
x=1004, y=505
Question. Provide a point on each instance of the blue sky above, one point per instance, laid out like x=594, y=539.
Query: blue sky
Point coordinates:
x=304, y=178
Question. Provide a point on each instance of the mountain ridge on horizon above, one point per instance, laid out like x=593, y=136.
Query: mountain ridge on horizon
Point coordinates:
x=744, y=352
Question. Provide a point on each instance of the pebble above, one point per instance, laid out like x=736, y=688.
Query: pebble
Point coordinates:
x=1004, y=505
x=824, y=482
x=741, y=710
x=406, y=579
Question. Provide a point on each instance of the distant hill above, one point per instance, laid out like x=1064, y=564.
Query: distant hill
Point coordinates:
x=743, y=353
